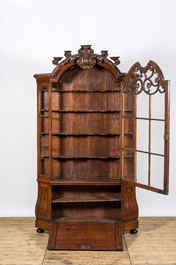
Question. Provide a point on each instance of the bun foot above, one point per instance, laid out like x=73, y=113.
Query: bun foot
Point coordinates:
x=39, y=230
x=134, y=231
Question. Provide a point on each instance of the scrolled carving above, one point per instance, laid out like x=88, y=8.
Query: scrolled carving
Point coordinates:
x=149, y=79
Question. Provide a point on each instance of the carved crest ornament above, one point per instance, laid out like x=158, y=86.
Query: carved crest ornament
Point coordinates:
x=148, y=79
x=86, y=58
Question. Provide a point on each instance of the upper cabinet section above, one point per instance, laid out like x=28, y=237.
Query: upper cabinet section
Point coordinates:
x=93, y=118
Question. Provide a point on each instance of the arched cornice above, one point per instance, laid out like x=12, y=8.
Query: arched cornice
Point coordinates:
x=85, y=59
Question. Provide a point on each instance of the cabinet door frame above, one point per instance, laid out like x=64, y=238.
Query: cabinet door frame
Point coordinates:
x=138, y=75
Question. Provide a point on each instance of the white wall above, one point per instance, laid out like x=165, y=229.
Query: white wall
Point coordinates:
x=32, y=32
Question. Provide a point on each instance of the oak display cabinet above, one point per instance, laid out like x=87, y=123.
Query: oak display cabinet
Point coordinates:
x=100, y=133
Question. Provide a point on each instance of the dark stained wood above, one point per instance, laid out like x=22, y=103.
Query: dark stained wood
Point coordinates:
x=87, y=145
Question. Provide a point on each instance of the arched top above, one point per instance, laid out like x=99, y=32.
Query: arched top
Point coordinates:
x=149, y=79
x=85, y=59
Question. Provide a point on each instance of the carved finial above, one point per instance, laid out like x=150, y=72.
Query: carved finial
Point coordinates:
x=67, y=54
x=104, y=54
x=116, y=59
x=56, y=60
x=86, y=51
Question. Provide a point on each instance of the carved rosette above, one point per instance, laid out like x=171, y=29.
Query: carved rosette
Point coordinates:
x=86, y=59
x=148, y=79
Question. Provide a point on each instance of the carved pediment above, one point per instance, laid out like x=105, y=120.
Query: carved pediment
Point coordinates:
x=86, y=59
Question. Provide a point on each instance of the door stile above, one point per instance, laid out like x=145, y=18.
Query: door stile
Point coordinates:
x=121, y=130
x=167, y=137
x=50, y=126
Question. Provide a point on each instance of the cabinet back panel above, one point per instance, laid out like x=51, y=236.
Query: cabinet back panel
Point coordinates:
x=98, y=209
x=86, y=122
x=85, y=169
x=82, y=101
x=94, y=146
x=79, y=191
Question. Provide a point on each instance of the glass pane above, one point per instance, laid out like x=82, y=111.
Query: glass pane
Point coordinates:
x=157, y=172
x=142, y=135
x=142, y=105
x=142, y=168
x=158, y=106
x=157, y=137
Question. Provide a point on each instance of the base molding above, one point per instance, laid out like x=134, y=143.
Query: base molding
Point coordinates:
x=130, y=225
x=126, y=225
x=42, y=224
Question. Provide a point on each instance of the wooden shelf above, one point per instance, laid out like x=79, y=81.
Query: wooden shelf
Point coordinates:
x=44, y=133
x=128, y=156
x=86, y=157
x=42, y=157
x=79, y=111
x=85, y=134
x=86, y=111
x=87, y=199
x=43, y=116
x=87, y=219
x=85, y=91
x=82, y=182
x=128, y=111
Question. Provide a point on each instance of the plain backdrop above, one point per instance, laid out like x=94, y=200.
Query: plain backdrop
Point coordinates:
x=31, y=33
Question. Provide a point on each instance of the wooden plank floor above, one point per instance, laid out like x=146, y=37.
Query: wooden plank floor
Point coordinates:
x=155, y=243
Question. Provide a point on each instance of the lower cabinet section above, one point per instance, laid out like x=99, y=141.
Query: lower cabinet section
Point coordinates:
x=85, y=234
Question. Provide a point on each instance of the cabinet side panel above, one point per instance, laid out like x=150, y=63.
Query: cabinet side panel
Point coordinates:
x=129, y=203
x=43, y=205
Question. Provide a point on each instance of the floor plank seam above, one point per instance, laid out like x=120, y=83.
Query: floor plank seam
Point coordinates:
x=127, y=249
x=44, y=256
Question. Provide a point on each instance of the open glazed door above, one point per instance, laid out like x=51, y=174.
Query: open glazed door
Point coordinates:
x=145, y=128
